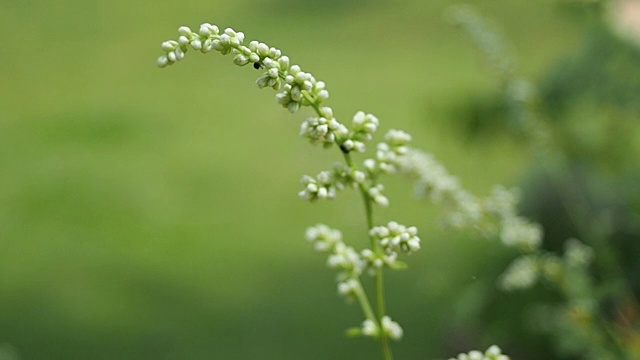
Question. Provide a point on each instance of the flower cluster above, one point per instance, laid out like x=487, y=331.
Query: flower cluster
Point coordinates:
x=324, y=129
x=363, y=127
x=434, y=182
x=492, y=353
x=394, y=238
x=372, y=261
x=300, y=89
x=525, y=270
x=323, y=237
x=341, y=257
x=387, y=152
x=296, y=87
x=514, y=230
x=326, y=184
x=206, y=39
x=495, y=215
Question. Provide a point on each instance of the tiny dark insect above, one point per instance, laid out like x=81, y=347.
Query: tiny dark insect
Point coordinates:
x=257, y=65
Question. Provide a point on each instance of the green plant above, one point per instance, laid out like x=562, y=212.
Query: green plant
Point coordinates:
x=297, y=89
x=594, y=317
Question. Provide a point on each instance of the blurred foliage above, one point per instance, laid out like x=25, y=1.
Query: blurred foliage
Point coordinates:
x=587, y=106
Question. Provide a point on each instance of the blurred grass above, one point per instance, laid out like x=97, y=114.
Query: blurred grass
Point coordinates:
x=152, y=214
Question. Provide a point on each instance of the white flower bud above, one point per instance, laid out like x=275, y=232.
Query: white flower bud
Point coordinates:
x=476, y=355
x=254, y=58
x=225, y=39
x=327, y=112
x=293, y=106
x=206, y=29
x=163, y=61
x=323, y=95
x=493, y=350
x=274, y=53
x=263, y=81
x=296, y=94
x=183, y=40
x=240, y=60
x=283, y=62
x=262, y=49
x=196, y=44
x=169, y=45
x=179, y=54
x=186, y=31
x=207, y=46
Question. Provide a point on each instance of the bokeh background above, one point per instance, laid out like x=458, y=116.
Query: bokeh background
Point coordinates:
x=152, y=214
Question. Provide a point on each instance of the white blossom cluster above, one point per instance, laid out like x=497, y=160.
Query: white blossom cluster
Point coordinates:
x=391, y=328
x=296, y=87
x=323, y=238
x=363, y=126
x=324, y=129
x=395, y=238
x=300, y=89
x=435, y=183
x=525, y=270
x=492, y=353
x=394, y=146
x=495, y=215
x=341, y=257
x=515, y=230
x=351, y=264
x=327, y=183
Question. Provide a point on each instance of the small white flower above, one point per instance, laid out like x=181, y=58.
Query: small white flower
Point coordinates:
x=375, y=193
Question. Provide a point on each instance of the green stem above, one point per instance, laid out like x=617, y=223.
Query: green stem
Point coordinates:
x=363, y=300
x=384, y=339
x=379, y=280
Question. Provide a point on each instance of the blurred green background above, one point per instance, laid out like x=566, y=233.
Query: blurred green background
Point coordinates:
x=152, y=214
